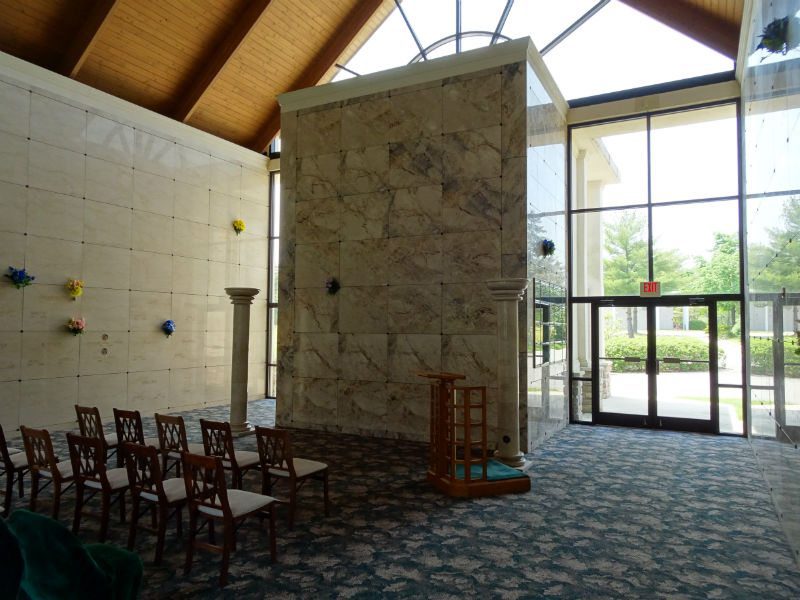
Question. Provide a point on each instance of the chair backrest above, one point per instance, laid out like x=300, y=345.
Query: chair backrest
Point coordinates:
x=275, y=449
x=5, y=457
x=39, y=450
x=144, y=471
x=171, y=433
x=88, y=458
x=129, y=426
x=217, y=439
x=206, y=490
x=89, y=422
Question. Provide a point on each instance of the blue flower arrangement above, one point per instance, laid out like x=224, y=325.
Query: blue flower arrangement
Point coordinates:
x=548, y=247
x=19, y=277
x=168, y=327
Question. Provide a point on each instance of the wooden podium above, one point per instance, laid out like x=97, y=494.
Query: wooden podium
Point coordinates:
x=458, y=460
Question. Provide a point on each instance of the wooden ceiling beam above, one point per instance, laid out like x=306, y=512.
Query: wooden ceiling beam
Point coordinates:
x=213, y=64
x=320, y=65
x=714, y=32
x=87, y=35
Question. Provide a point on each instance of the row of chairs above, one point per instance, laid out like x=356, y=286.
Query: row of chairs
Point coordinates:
x=142, y=468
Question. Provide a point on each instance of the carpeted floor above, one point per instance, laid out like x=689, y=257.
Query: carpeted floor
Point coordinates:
x=613, y=513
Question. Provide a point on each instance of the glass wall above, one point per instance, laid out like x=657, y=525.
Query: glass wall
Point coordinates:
x=272, y=301
x=656, y=198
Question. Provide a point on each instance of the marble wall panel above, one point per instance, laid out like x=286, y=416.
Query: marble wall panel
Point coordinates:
x=513, y=110
x=362, y=406
x=314, y=401
x=363, y=356
x=415, y=211
x=13, y=158
x=415, y=308
x=316, y=311
x=317, y=221
x=473, y=256
x=415, y=162
x=468, y=308
x=415, y=114
x=472, y=355
x=13, y=204
x=410, y=354
x=364, y=262
x=472, y=204
x=365, y=170
x=321, y=132
x=17, y=100
x=364, y=216
x=472, y=103
x=471, y=154
x=415, y=259
x=366, y=123
x=315, y=263
x=316, y=355
x=318, y=176
x=363, y=309
x=408, y=410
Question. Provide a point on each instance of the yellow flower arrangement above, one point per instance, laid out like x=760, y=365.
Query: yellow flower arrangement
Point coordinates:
x=238, y=226
x=75, y=288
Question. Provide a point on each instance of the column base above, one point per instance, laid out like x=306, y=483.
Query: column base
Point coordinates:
x=514, y=460
x=242, y=430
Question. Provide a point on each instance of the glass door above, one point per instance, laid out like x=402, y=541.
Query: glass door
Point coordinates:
x=654, y=364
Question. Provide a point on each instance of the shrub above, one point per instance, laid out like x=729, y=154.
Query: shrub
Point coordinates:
x=697, y=325
x=761, y=362
x=688, y=348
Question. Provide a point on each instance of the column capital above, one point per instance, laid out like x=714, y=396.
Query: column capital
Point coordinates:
x=509, y=289
x=241, y=295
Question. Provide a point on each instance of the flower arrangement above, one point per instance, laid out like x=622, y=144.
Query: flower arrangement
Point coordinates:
x=19, y=277
x=332, y=285
x=797, y=339
x=75, y=288
x=774, y=39
x=76, y=326
x=168, y=327
x=548, y=247
x=238, y=226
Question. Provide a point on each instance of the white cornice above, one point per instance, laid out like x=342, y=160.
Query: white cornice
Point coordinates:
x=70, y=91
x=425, y=72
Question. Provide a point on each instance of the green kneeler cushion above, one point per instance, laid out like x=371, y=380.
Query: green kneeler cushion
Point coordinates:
x=10, y=563
x=57, y=565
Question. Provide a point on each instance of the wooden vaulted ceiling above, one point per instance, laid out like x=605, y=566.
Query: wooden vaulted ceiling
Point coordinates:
x=219, y=65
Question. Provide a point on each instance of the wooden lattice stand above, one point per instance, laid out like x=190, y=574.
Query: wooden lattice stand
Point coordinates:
x=458, y=462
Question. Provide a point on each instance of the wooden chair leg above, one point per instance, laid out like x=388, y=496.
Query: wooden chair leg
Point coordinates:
x=21, y=475
x=9, y=492
x=325, y=492
x=134, y=521
x=179, y=519
x=190, y=542
x=163, y=517
x=34, y=490
x=105, y=510
x=76, y=521
x=227, y=546
x=56, y=498
x=273, y=548
x=122, y=513
x=292, y=504
x=212, y=538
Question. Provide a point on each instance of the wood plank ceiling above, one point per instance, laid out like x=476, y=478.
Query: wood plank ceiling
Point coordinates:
x=218, y=65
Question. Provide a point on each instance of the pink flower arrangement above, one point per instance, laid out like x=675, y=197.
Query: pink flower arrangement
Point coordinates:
x=76, y=326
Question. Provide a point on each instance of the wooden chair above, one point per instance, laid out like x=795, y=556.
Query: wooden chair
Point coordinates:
x=278, y=464
x=13, y=466
x=91, y=425
x=146, y=483
x=209, y=499
x=218, y=441
x=89, y=466
x=45, y=465
x=128, y=424
x=172, y=442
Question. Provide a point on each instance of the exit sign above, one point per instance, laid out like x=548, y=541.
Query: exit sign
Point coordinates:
x=650, y=289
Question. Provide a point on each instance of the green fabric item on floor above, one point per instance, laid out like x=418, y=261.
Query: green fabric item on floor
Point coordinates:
x=10, y=563
x=495, y=471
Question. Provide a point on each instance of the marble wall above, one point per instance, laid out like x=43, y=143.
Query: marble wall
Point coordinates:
x=144, y=219
x=411, y=197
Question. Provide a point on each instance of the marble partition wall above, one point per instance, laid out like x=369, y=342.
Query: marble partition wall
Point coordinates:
x=411, y=188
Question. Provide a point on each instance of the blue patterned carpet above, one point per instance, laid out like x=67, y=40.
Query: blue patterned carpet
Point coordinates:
x=613, y=513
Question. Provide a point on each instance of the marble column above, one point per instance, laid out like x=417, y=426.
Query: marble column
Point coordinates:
x=508, y=293
x=241, y=298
